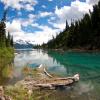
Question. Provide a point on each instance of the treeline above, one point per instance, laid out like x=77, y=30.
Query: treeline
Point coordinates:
x=84, y=33
x=6, y=40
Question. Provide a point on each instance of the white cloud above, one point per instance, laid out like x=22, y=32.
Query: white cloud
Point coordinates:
x=43, y=6
x=75, y=11
x=59, y=26
x=38, y=37
x=32, y=16
x=15, y=29
x=35, y=25
x=44, y=35
x=15, y=26
x=18, y=4
x=44, y=14
x=92, y=1
x=50, y=0
x=29, y=21
x=29, y=7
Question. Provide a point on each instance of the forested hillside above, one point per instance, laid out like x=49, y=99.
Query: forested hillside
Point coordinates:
x=83, y=34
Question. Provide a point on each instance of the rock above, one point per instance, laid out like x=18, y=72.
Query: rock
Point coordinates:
x=2, y=95
x=1, y=91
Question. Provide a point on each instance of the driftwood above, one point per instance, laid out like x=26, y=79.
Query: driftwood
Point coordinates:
x=51, y=82
x=57, y=82
x=44, y=70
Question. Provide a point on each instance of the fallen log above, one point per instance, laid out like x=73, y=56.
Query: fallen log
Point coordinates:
x=52, y=83
x=41, y=67
x=57, y=82
x=49, y=82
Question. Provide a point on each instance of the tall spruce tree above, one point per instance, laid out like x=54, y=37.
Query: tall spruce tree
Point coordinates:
x=84, y=33
x=5, y=41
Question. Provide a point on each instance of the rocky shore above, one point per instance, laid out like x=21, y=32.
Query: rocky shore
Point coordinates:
x=40, y=80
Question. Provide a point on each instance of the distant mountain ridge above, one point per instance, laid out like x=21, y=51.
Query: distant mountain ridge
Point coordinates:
x=20, y=44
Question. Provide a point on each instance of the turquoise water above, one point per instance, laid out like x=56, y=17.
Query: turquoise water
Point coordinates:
x=65, y=64
x=88, y=66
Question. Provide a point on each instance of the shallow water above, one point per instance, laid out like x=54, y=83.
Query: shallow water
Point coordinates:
x=64, y=64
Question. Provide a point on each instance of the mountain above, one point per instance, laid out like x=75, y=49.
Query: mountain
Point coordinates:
x=20, y=44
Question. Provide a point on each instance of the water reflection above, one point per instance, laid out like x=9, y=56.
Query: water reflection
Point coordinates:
x=35, y=58
x=68, y=63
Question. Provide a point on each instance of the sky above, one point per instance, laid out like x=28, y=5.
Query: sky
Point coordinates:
x=37, y=21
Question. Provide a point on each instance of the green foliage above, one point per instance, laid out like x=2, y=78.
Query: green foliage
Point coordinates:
x=5, y=40
x=20, y=93
x=6, y=50
x=84, y=33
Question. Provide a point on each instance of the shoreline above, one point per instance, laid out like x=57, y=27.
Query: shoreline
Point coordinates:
x=73, y=50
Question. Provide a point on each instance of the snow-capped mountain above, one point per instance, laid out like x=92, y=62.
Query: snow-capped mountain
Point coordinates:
x=21, y=44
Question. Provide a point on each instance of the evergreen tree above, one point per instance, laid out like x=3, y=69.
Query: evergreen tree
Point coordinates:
x=2, y=34
x=11, y=41
x=84, y=33
x=5, y=41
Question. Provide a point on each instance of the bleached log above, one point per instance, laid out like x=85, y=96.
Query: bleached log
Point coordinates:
x=47, y=73
x=44, y=70
x=57, y=82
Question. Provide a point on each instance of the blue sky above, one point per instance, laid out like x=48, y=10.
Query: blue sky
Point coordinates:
x=38, y=20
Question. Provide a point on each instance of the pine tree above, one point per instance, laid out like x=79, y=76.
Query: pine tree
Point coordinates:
x=11, y=41
x=2, y=34
x=5, y=41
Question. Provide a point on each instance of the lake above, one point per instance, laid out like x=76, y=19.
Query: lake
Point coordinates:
x=87, y=64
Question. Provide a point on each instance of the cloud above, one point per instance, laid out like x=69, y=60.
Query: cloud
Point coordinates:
x=92, y=1
x=20, y=4
x=50, y=0
x=75, y=11
x=59, y=26
x=43, y=6
x=15, y=29
x=15, y=26
x=29, y=7
x=35, y=25
x=44, y=35
x=29, y=21
x=32, y=16
x=39, y=37
x=57, y=19
x=45, y=14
